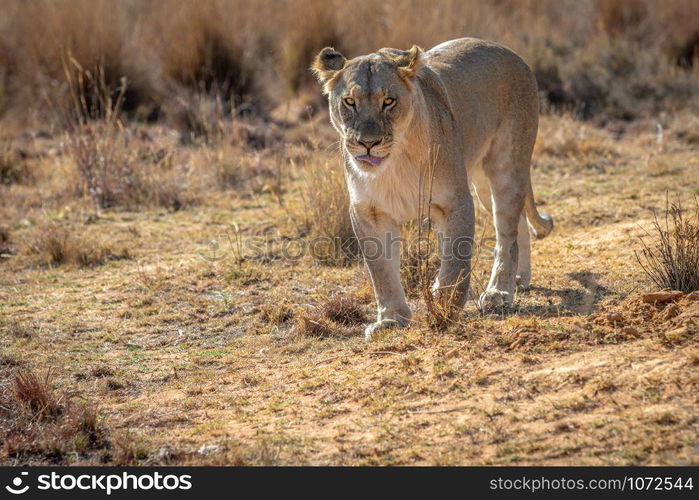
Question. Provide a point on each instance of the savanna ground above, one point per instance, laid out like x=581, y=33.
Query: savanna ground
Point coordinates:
x=161, y=301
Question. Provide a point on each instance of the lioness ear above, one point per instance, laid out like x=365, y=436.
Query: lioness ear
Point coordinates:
x=409, y=61
x=326, y=65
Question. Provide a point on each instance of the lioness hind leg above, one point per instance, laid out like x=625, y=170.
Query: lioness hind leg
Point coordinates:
x=481, y=191
x=524, y=262
x=524, y=266
x=501, y=286
x=506, y=167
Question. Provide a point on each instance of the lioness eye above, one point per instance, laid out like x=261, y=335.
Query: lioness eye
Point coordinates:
x=389, y=101
x=349, y=101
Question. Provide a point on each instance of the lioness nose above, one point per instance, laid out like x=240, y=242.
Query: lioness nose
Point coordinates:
x=369, y=144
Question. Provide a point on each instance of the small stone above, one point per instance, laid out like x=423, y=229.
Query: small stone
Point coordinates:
x=662, y=297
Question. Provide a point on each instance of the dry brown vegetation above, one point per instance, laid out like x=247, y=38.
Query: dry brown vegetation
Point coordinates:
x=38, y=424
x=672, y=260
x=53, y=244
x=620, y=59
x=175, y=248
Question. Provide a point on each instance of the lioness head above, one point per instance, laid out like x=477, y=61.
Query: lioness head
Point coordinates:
x=370, y=99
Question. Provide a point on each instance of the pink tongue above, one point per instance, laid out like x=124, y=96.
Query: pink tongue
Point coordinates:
x=374, y=160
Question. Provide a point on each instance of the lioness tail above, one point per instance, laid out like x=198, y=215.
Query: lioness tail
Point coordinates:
x=540, y=225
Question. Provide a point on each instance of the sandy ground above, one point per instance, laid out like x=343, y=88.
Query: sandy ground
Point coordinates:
x=193, y=357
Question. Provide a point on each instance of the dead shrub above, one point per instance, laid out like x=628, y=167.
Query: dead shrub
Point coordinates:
x=213, y=71
x=277, y=314
x=43, y=426
x=419, y=259
x=119, y=171
x=54, y=245
x=200, y=51
x=313, y=325
x=116, y=167
x=95, y=35
x=13, y=169
x=16, y=329
x=241, y=54
x=343, y=309
x=615, y=78
x=36, y=394
x=323, y=215
x=671, y=261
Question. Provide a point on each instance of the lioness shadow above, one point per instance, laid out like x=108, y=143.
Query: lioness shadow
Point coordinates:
x=571, y=301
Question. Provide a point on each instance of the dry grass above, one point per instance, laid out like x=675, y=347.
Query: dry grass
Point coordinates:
x=345, y=310
x=54, y=245
x=35, y=394
x=323, y=214
x=41, y=426
x=12, y=169
x=419, y=259
x=672, y=260
x=181, y=59
x=16, y=329
x=211, y=344
x=216, y=362
x=277, y=314
x=335, y=317
x=4, y=242
x=314, y=326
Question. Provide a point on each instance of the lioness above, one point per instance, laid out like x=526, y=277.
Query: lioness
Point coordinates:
x=464, y=112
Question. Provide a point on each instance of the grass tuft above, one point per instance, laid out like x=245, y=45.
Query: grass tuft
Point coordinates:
x=36, y=394
x=324, y=215
x=312, y=325
x=13, y=169
x=43, y=426
x=344, y=310
x=672, y=260
x=54, y=245
x=277, y=314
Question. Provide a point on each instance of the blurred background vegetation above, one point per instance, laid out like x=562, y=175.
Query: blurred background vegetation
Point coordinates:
x=176, y=60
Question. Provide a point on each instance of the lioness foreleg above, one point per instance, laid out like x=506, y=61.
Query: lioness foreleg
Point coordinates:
x=379, y=240
x=456, y=239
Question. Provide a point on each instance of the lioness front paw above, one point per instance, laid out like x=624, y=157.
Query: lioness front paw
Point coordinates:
x=523, y=281
x=494, y=300
x=384, y=324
